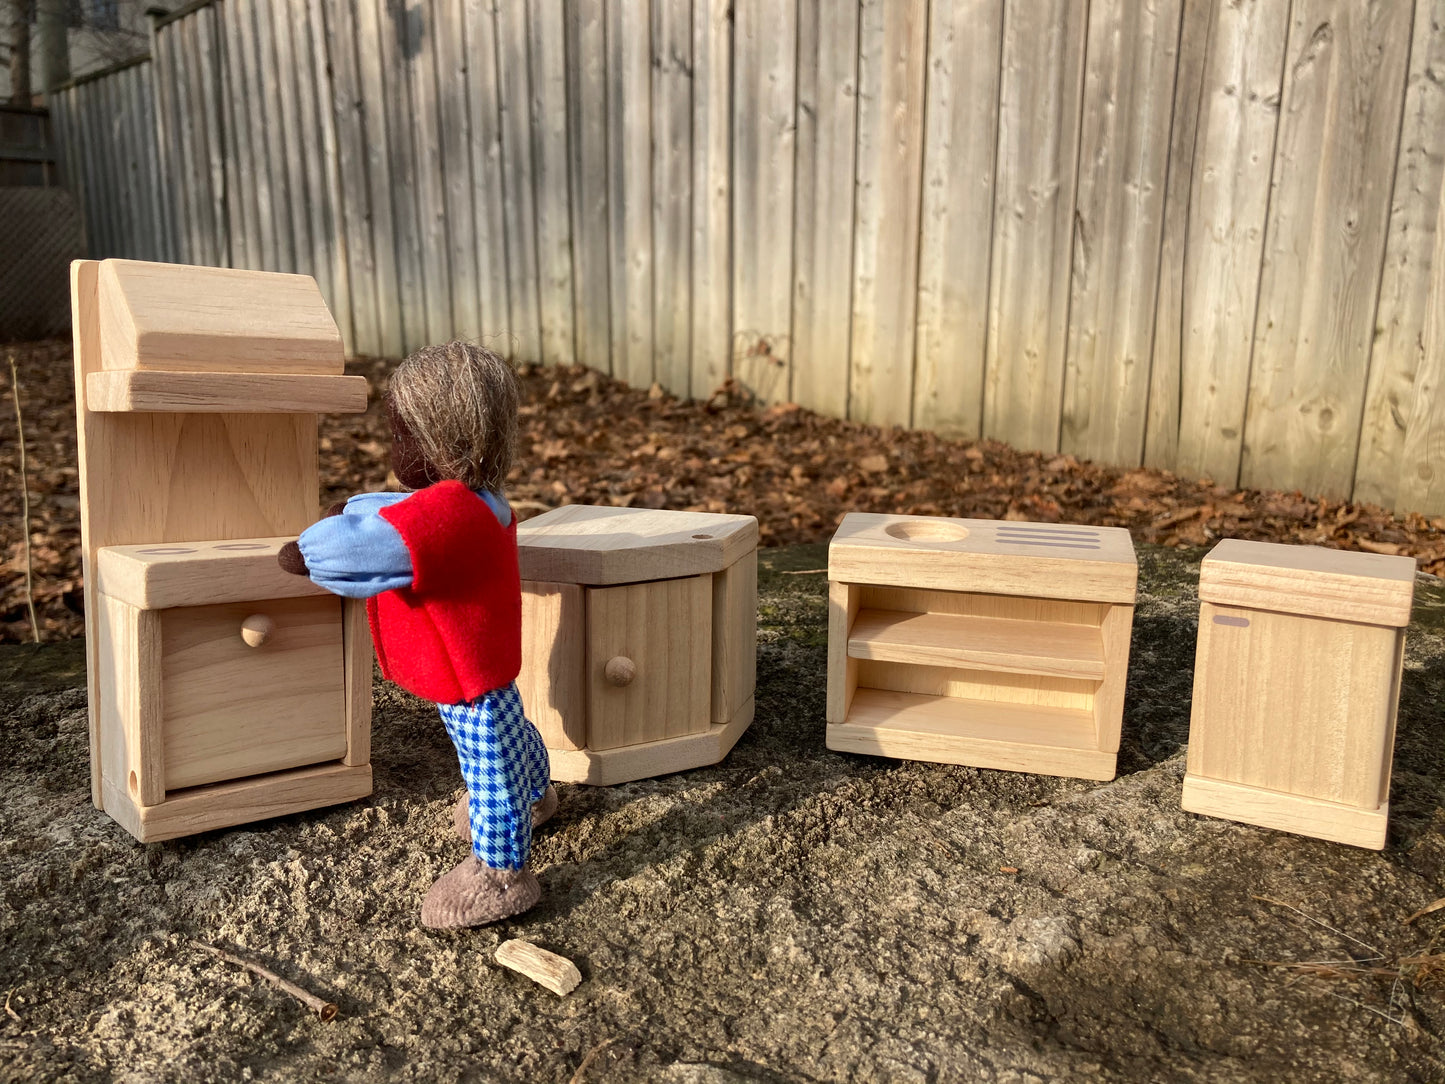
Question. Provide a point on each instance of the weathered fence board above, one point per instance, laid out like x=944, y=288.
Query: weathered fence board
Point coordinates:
x=956, y=227
x=1033, y=225
x=1239, y=117
x=488, y=212
x=1193, y=234
x=1405, y=286
x=711, y=194
x=1328, y=223
x=1118, y=226
x=764, y=74
x=823, y=223
x=672, y=194
x=547, y=58
x=587, y=178
x=892, y=37
x=629, y=188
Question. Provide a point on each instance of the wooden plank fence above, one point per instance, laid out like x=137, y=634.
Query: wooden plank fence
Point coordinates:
x=1201, y=235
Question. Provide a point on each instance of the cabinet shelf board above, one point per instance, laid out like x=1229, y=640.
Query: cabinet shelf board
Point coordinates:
x=149, y=391
x=984, y=734
x=1051, y=649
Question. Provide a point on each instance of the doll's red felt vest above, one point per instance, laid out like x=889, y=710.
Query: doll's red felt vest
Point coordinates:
x=456, y=632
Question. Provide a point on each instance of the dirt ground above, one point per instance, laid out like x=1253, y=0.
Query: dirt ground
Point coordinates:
x=790, y=914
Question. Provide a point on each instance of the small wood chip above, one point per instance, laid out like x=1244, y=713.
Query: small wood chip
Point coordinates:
x=556, y=973
x=1008, y=869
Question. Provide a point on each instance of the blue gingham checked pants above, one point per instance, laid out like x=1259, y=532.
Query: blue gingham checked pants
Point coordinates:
x=505, y=767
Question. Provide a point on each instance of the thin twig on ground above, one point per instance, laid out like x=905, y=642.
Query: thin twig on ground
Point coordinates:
x=1318, y=922
x=9, y=1011
x=24, y=499
x=587, y=1061
x=1427, y=909
x=324, y=1009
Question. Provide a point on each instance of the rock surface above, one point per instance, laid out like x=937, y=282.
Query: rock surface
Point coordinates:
x=788, y=915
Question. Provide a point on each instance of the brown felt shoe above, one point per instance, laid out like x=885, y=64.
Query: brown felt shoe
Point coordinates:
x=542, y=811
x=474, y=894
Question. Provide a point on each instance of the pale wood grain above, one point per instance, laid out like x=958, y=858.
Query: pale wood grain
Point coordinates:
x=983, y=734
x=711, y=194
x=1129, y=81
x=1225, y=244
x=1039, y=95
x=672, y=193
x=844, y=601
x=1094, y=564
x=549, y=123
x=1011, y=607
x=164, y=317
x=992, y=685
x=734, y=636
x=141, y=390
x=128, y=659
x=587, y=137
x=554, y=662
x=556, y=973
x=1286, y=812
x=157, y=576
x=232, y=710
x=1384, y=474
x=1116, y=631
x=608, y=767
x=1299, y=705
x=665, y=629
x=204, y=809
x=85, y=340
x=458, y=219
x=357, y=652
x=629, y=189
x=892, y=52
x=956, y=223
x=1340, y=118
x=765, y=45
x=988, y=643
x=1313, y=580
x=823, y=214
x=591, y=544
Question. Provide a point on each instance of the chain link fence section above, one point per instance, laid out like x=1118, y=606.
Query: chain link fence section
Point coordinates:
x=40, y=233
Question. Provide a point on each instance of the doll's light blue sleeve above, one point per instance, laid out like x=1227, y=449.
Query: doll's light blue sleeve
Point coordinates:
x=358, y=554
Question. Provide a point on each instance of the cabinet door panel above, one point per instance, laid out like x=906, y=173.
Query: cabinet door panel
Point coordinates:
x=231, y=710
x=664, y=629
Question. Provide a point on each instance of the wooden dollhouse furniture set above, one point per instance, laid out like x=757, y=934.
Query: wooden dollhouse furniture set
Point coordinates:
x=223, y=690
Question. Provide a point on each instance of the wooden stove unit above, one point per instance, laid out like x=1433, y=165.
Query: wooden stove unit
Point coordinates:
x=221, y=690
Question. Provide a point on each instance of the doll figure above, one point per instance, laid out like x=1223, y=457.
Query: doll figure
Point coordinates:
x=438, y=568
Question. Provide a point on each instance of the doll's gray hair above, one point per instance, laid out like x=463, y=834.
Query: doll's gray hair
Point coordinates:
x=460, y=402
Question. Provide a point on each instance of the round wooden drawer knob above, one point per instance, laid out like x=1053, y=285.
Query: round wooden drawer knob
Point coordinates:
x=257, y=629
x=620, y=670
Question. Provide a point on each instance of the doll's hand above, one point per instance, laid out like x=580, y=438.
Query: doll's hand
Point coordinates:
x=290, y=559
